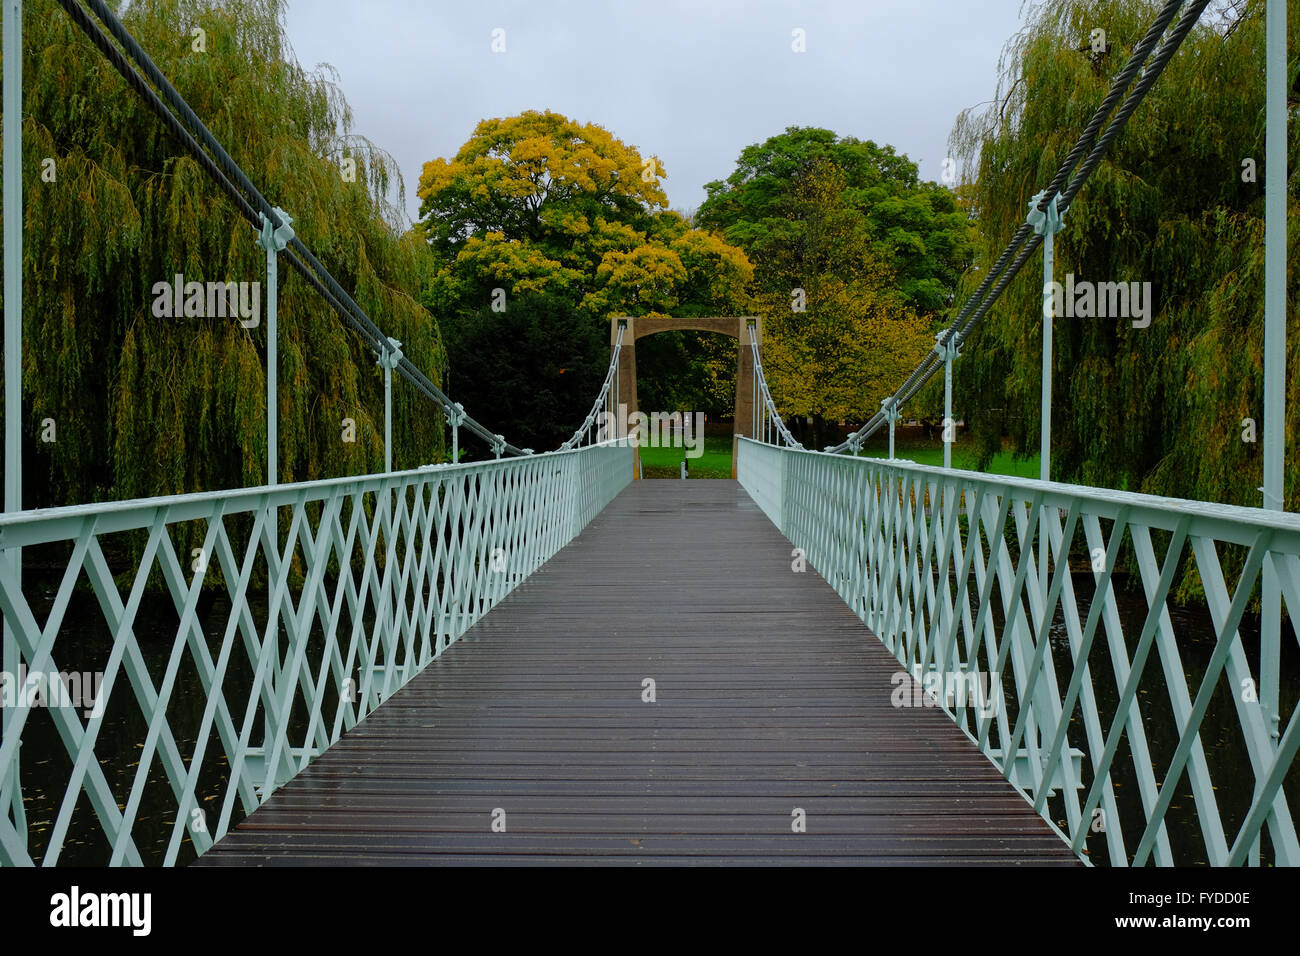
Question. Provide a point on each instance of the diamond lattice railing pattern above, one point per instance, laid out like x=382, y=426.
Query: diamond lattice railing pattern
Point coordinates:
x=228, y=638
x=1087, y=685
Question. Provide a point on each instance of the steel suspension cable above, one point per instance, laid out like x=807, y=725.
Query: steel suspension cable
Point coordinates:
x=248, y=200
x=760, y=380
x=611, y=375
x=1024, y=243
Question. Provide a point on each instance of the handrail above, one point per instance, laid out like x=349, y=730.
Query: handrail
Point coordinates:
x=378, y=576
x=941, y=565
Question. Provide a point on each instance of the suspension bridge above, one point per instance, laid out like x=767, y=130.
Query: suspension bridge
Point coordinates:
x=538, y=658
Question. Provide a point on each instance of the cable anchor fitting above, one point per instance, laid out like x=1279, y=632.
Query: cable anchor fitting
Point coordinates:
x=1045, y=221
x=947, y=351
x=393, y=357
x=275, y=239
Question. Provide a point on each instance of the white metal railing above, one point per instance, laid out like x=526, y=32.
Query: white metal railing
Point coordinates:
x=768, y=424
x=376, y=577
x=940, y=564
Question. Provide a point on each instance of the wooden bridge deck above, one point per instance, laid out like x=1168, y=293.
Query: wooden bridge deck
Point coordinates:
x=770, y=696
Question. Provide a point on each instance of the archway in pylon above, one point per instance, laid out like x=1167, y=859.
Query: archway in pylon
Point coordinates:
x=735, y=326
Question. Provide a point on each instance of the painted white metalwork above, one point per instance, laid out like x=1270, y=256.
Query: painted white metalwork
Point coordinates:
x=377, y=576
x=945, y=348
x=770, y=416
x=592, y=427
x=12, y=134
x=274, y=239
x=1145, y=64
x=940, y=564
x=1275, y=281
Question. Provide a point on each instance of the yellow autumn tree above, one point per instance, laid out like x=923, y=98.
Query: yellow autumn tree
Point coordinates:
x=570, y=188
x=543, y=228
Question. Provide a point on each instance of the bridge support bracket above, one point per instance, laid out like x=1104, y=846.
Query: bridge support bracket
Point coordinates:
x=389, y=360
x=276, y=238
x=890, y=411
x=1022, y=771
x=947, y=349
x=255, y=761
x=1047, y=222
x=455, y=418
x=11, y=794
x=273, y=239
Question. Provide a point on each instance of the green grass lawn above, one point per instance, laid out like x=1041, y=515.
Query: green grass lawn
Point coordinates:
x=963, y=456
x=716, y=460
x=667, y=462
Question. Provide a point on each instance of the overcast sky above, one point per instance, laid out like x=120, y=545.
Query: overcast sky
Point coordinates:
x=691, y=81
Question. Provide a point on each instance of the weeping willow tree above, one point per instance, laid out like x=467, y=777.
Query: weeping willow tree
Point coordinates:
x=1173, y=408
x=142, y=405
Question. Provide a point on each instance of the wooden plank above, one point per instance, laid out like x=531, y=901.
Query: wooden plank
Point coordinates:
x=770, y=697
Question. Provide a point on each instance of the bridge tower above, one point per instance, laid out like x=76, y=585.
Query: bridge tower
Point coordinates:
x=735, y=326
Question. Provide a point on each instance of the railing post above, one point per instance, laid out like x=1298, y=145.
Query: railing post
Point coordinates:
x=13, y=291
x=273, y=239
x=890, y=412
x=389, y=360
x=455, y=415
x=1275, y=251
x=1047, y=223
x=947, y=350
x=1275, y=246
x=783, y=468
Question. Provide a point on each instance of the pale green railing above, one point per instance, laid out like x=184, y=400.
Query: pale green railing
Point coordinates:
x=375, y=578
x=940, y=564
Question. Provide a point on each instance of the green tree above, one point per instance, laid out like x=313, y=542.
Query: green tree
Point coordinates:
x=902, y=245
x=537, y=213
x=833, y=353
x=1157, y=409
x=144, y=405
x=913, y=228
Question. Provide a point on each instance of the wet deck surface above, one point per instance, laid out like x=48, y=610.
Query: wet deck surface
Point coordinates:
x=771, y=697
